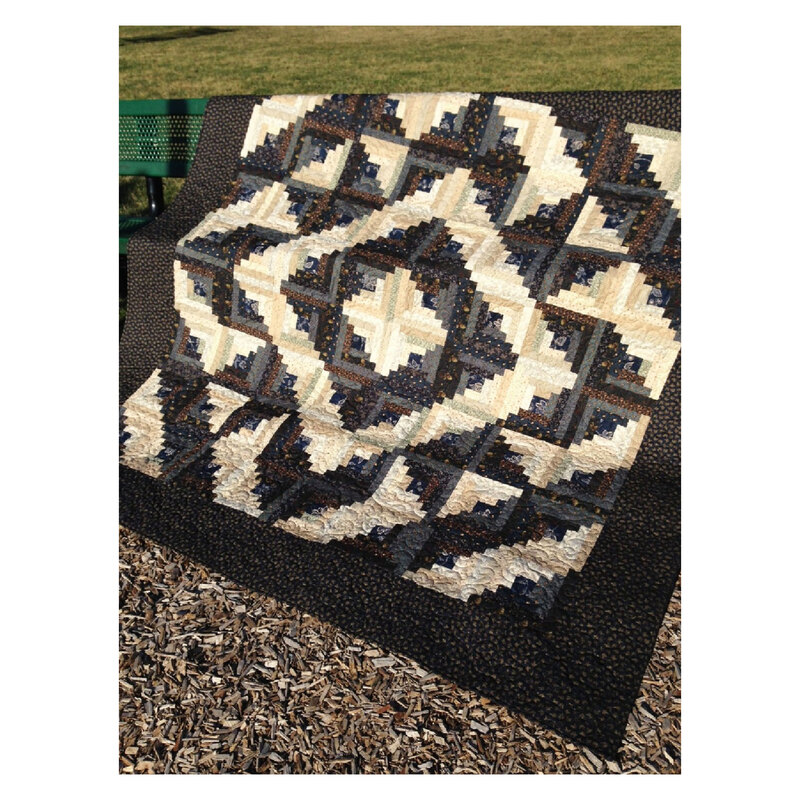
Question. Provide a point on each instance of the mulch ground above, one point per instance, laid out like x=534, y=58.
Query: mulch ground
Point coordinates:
x=215, y=678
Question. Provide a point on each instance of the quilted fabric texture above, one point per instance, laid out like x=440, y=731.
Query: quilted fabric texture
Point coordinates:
x=428, y=329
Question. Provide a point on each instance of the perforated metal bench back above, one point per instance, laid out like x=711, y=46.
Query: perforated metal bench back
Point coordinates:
x=159, y=137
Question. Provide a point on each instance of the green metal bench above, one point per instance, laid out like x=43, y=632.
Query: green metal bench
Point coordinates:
x=157, y=139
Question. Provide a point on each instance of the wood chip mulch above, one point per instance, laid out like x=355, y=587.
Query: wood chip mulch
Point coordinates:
x=215, y=678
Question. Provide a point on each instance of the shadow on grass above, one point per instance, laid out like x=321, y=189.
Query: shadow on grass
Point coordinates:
x=183, y=33
x=129, y=193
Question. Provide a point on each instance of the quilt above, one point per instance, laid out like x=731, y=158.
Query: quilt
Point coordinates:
x=416, y=350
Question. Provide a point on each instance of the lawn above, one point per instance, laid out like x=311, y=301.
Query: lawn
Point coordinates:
x=167, y=62
x=200, y=62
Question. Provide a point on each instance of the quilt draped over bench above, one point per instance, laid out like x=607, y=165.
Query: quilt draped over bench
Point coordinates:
x=426, y=332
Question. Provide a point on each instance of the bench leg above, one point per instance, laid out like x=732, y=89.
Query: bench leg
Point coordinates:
x=155, y=195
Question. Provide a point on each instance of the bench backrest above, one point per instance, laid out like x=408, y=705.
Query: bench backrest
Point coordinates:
x=158, y=138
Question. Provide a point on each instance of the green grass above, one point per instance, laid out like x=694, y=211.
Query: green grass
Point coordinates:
x=173, y=62
x=201, y=62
